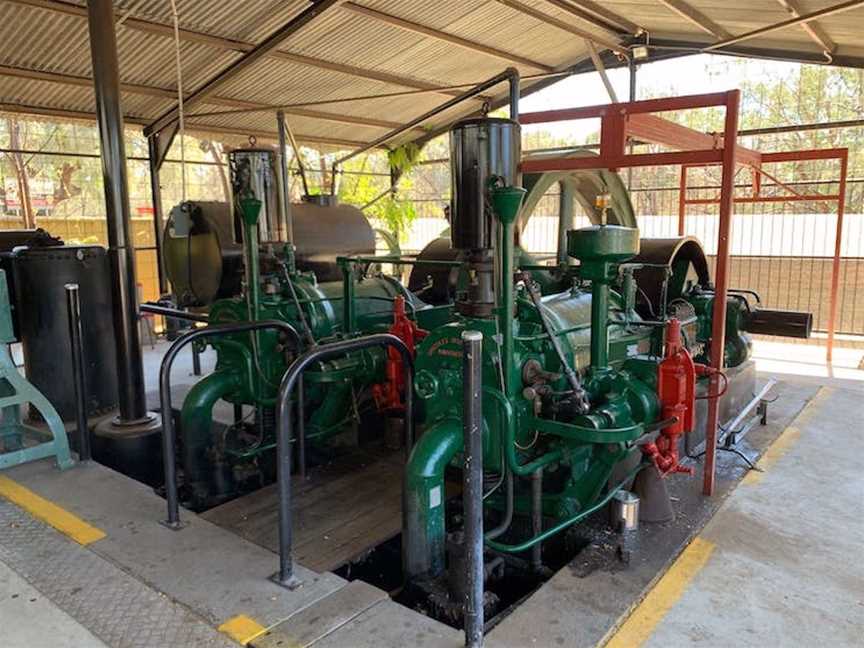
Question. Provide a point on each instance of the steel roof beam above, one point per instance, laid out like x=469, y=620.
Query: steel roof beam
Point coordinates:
x=696, y=17
x=833, y=10
x=678, y=47
x=65, y=113
x=227, y=44
x=269, y=44
x=597, y=14
x=423, y=30
x=605, y=41
x=812, y=29
x=166, y=93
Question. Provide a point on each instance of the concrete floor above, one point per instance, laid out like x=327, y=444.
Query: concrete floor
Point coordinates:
x=785, y=564
x=777, y=564
x=52, y=627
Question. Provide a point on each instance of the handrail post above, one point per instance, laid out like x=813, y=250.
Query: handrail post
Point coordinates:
x=472, y=484
x=285, y=576
x=76, y=335
x=169, y=441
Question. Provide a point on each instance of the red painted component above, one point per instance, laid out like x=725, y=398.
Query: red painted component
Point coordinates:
x=620, y=120
x=676, y=388
x=388, y=395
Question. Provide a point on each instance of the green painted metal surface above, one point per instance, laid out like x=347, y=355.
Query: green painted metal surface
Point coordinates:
x=20, y=443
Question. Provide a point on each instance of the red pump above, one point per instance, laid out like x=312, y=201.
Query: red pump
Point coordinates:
x=676, y=388
x=388, y=395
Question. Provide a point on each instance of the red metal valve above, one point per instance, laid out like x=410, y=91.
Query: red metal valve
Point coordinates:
x=388, y=395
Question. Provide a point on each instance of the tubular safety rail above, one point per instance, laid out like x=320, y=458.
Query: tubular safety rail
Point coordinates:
x=169, y=440
x=285, y=575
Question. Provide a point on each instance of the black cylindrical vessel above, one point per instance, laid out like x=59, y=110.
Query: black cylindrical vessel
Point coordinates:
x=479, y=148
x=769, y=321
x=40, y=275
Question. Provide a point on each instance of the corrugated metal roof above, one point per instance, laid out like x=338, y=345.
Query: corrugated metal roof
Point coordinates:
x=365, y=47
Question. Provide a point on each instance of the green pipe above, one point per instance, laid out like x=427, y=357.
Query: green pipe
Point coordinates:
x=599, y=324
x=527, y=544
x=423, y=541
x=349, y=307
x=506, y=306
x=509, y=441
x=395, y=260
x=254, y=272
x=196, y=420
x=564, y=331
x=505, y=204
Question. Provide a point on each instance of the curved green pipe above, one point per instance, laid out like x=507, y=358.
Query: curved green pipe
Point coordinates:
x=423, y=548
x=509, y=441
x=196, y=420
x=560, y=526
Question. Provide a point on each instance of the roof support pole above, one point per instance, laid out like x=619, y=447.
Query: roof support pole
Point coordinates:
x=601, y=70
x=121, y=253
x=158, y=216
x=631, y=87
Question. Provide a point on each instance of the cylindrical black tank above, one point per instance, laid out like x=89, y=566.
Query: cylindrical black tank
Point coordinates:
x=199, y=244
x=768, y=321
x=479, y=148
x=39, y=277
x=11, y=239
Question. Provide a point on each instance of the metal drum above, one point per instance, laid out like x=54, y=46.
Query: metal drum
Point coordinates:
x=40, y=274
x=204, y=262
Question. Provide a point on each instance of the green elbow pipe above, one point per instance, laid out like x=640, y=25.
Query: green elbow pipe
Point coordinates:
x=196, y=420
x=423, y=539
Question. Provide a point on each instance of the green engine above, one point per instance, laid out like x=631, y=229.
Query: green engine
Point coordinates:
x=588, y=381
x=583, y=390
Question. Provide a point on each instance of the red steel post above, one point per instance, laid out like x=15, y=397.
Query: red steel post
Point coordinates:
x=835, y=266
x=682, y=200
x=721, y=281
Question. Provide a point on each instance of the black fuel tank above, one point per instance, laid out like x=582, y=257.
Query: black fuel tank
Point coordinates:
x=40, y=276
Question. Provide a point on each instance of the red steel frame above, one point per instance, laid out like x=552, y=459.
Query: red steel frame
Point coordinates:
x=635, y=119
x=839, y=154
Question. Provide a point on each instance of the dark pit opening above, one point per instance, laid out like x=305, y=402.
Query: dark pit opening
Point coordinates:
x=511, y=582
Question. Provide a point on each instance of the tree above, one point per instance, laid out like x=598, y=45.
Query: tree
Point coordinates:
x=21, y=170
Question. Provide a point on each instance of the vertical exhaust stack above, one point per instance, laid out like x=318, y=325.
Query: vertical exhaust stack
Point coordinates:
x=253, y=173
x=480, y=150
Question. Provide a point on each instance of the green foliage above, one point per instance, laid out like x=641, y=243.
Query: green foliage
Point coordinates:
x=403, y=158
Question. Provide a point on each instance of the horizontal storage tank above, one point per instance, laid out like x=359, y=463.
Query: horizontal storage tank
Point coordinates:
x=200, y=243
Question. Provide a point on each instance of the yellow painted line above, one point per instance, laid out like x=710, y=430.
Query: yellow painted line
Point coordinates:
x=787, y=439
x=663, y=596
x=242, y=629
x=775, y=451
x=59, y=518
